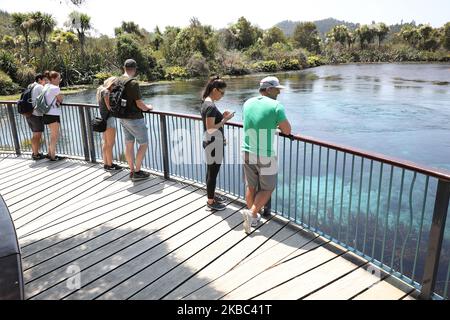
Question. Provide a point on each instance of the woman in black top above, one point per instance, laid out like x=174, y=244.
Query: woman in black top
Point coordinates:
x=213, y=138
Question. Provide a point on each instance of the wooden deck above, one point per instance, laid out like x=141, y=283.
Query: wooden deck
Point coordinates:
x=78, y=224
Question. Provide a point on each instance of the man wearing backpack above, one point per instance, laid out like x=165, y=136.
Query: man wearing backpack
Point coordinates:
x=133, y=122
x=36, y=120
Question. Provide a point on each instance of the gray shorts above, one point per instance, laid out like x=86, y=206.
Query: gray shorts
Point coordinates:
x=36, y=123
x=111, y=123
x=260, y=172
x=135, y=130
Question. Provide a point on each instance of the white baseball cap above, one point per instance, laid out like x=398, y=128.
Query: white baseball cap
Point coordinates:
x=270, y=82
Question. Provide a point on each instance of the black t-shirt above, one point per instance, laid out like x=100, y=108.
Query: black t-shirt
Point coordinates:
x=209, y=110
x=131, y=94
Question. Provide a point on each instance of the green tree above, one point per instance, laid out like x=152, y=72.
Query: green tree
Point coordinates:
x=157, y=39
x=43, y=24
x=446, y=35
x=130, y=28
x=429, y=38
x=381, y=31
x=81, y=23
x=306, y=36
x=339, y=34
x=246, y=34
x=366, y=34
x=22, y=22
x=411, y=35
x=274, y=35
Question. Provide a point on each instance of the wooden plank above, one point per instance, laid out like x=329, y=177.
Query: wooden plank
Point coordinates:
x=269, y=231
x=10, y=164
x=192, y=265
x=123, y=228
x=68, y=210
x=19, y=188
x=67, y=196
x=348, y=286
x=149, y=239
x=55, y=198
x=94, y=218
x=381, y=291
x=149, y=266
x=27, y=172
x=18, y=206
x=253, y=267
x=121, y=189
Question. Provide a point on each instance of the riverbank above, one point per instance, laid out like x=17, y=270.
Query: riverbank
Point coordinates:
x=65, y=91
x=81, y=88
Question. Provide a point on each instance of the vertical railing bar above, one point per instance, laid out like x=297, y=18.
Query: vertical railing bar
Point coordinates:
x=296, y=182
x=84, y=133
x=342, y=196
x=15, y=134
x=427, y=180
x=310, y=184
x=326, y=189
x=398, y=219
x=358, y=213
x=386, y=224
x=411, y=218
x=351, y=197
x=283, y=203
x=334, y=186
x=304, y=183
x=377, y=212
x=290, y=178
x=436, y=237
x=368, y=206
x=318, y=187
x=165, y=146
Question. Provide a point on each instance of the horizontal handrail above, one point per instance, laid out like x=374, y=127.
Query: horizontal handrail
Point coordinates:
x=404, y=164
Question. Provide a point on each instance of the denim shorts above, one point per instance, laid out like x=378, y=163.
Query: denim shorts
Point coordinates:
x=135, y=130
x=111, y=123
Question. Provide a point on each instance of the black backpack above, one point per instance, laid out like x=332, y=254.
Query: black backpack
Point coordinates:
x=25, y=104
x=116, y=98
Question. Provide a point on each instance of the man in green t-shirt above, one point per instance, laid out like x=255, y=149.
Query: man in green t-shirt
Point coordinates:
x=263, y=115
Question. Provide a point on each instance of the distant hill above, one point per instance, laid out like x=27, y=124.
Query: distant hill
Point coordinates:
x=323, y=26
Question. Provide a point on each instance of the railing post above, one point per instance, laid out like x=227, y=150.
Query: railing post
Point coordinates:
x=84, y=133
x=14, y=132
x=165, y=145
x=90, y=136
x=435, y=239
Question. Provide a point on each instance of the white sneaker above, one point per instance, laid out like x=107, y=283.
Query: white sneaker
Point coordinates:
x=255, y=221
x=247, y=215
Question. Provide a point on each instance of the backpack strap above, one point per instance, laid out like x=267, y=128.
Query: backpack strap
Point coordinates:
x=45, y=99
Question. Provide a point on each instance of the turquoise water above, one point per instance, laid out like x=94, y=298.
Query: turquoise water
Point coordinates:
x=400, y=110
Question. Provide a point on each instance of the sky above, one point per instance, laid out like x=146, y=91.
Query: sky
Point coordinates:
x=108, y=14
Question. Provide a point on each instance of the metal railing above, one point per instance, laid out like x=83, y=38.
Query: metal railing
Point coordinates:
x=390, y=212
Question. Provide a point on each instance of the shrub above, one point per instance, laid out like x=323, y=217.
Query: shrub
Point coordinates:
x=8, y=64
x=100, y=77
x=7, y=86
x=266, y=66
x=314, y=61
x=25, y=76
x=197, y=66
x=176, y=72
x=290, y=64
